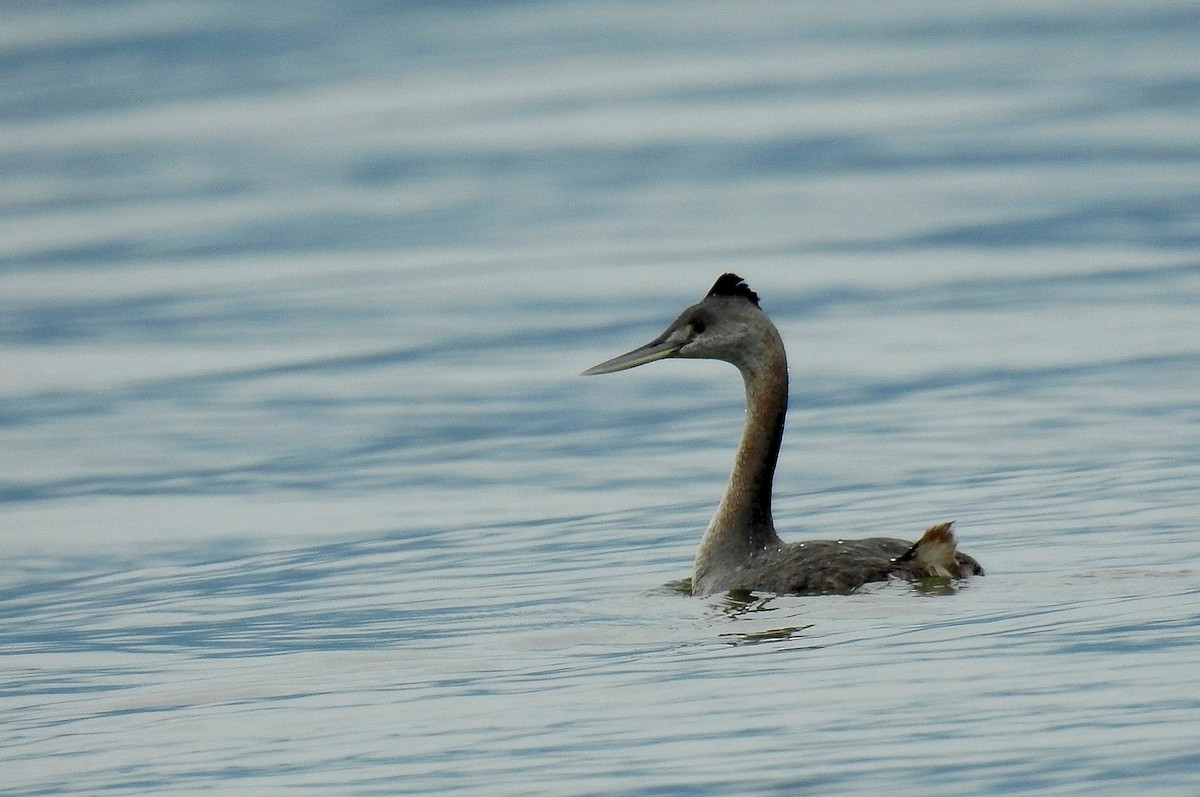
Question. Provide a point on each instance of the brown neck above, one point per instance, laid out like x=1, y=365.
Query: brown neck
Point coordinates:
x=743, y=523
x=747, y=499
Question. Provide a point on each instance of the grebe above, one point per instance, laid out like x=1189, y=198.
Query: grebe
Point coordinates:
x=740, y=550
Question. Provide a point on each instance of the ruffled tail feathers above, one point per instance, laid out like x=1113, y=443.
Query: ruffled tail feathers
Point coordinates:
x=936, y=553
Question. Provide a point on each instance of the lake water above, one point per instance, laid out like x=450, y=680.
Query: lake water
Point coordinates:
x=302, y=493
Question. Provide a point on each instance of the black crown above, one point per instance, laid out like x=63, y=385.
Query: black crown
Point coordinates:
x=733, y=285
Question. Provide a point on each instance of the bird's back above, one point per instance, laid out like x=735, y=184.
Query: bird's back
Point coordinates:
x=816, y=567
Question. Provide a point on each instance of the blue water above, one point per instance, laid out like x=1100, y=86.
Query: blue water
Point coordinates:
x=302, y=492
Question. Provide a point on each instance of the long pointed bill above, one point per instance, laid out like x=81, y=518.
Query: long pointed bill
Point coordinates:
x=654, y=350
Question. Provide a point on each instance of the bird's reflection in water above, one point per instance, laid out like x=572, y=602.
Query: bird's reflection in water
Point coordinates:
x=743, y=605
x=740, y=605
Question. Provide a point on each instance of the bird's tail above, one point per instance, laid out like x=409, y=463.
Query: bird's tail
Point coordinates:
x=935, y=551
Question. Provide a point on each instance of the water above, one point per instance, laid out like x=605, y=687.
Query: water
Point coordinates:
x=302, y=494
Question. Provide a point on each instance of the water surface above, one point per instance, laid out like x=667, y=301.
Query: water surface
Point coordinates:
x=302, y=492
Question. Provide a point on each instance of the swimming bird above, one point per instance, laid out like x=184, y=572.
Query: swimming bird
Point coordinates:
x=741, y=551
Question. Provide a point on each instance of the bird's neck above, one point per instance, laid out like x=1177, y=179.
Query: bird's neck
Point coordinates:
x=743, y=524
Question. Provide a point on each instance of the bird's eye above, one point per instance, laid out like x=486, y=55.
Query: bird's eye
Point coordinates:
x=697, y=326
